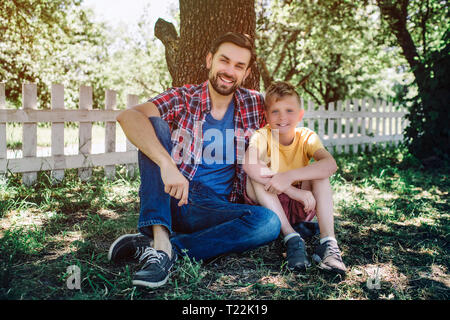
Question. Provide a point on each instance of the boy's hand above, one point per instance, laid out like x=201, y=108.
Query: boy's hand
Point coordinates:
x=306, y=198
x=175, y=183
x=279, y=183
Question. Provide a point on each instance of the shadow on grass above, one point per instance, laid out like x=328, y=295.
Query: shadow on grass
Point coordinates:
x=85, y=217
x=411, y=252
x=414, y=257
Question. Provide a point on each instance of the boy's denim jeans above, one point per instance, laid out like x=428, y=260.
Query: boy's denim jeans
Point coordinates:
x=208, y=225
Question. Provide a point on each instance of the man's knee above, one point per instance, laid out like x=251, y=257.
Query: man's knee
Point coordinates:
x=146, y=165
x=162, y=131
x=267, y=223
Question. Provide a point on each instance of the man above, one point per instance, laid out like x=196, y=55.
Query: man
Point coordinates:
x=190, y=189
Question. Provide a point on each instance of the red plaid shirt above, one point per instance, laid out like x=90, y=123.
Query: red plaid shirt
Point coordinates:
x=184, y=109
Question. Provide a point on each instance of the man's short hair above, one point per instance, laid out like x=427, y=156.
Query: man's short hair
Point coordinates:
x=277, y=91
x=239, y=39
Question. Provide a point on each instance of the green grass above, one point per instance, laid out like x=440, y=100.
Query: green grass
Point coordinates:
x=392, y=215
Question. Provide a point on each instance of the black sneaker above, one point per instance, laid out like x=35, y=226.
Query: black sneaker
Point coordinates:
x=156, y=269
x=128, y=247
x=296, y=254
x=307, y=229
x=328, y=257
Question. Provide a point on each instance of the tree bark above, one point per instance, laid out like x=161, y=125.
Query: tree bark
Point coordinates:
x=202, y=21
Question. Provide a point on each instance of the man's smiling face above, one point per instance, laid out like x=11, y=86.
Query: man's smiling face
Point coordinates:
x=228, y=68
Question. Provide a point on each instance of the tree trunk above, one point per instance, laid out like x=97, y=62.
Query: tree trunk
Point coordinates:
x=396, y=14
x=428, y=116
x=202, y=21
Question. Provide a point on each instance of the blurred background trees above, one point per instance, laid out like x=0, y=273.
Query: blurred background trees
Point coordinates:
x=45, y=41
x=58, y=41
x=421, y=30
x=330, y=50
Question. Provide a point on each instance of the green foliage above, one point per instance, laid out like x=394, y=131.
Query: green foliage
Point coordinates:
x=421, y=30
x=428, y=133
x=330, y=50
x=48, y=42
x=136, y=63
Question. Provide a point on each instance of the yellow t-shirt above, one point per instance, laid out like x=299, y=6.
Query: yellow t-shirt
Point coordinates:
x=281, y=158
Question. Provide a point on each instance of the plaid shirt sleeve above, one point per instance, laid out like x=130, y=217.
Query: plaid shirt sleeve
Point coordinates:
x=168, y=104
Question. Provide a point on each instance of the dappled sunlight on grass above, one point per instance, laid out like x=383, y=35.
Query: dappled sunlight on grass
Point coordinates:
x=388, y=218
x=31, y=219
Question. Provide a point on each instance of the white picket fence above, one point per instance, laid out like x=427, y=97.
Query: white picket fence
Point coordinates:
x=354, y=125
x=29, y=164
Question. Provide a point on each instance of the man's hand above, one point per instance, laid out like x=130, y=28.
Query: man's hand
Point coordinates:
x=175, y=183
x=279, y=183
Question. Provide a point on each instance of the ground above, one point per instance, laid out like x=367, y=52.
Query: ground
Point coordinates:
x=392, y=220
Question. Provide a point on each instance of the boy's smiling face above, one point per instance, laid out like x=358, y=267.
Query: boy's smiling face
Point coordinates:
x=284, y=115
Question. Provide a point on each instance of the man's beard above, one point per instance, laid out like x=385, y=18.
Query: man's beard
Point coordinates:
x=225, y=91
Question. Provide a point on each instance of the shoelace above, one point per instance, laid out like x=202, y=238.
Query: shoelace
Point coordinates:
x=151, y=255
x=139, y=252
x=333, y=251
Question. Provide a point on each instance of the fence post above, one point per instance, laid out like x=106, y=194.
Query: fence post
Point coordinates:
x=363, y=123
x=355, y=104
x=29, y=139
x=57, y=145
x=383, y=122
x=3, y=143
x=377, y=120
x=110, y=132
x=352, y=107
x=331, y=131
x=321, y=122
x=132, y=100
x=391, y=122
x=370, y=125
x=347, y=125
x=397, y=127
x=339, y=126
x=85, y=133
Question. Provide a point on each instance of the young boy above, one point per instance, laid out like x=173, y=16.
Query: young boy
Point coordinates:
x=280, y=178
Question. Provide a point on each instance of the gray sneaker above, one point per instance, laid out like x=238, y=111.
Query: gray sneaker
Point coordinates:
x=296, y=254
x=328, y=257
x=128, y=247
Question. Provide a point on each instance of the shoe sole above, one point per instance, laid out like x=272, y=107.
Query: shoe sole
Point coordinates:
x=111, y=248
x=301, y=269
x=297, y=269
x=321, y=266
x=150, y=284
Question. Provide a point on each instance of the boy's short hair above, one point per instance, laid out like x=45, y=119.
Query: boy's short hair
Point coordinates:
x=278, y=90
x=239, y=39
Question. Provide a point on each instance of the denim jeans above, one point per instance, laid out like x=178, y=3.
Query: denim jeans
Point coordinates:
x=208, y=225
